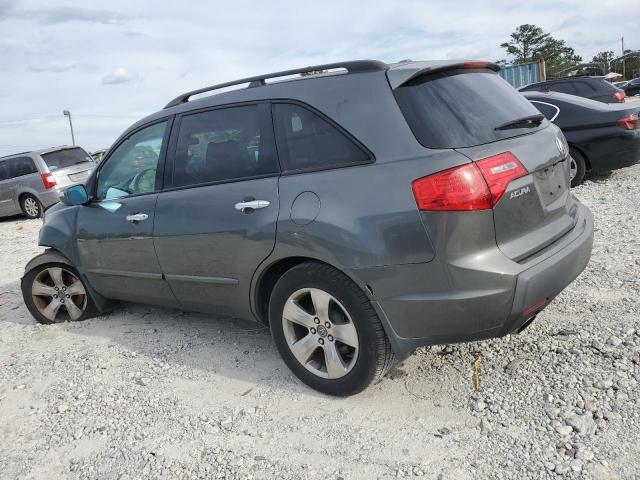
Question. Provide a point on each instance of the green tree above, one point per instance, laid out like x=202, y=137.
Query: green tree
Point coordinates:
x=530, y=43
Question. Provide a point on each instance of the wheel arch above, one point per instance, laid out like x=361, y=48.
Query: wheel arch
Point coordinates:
x=51, y=255
x=581, y=152
x=265, y=280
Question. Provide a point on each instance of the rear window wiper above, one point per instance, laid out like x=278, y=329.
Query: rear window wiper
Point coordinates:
x=530, y=121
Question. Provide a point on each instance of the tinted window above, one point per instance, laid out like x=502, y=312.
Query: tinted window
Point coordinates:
x=65, y=158
x=307, y=141
x=131, y=167
x=584, y=89
x=4, y=171
x=21, y=166
x=461, y=108
x=547, y=110
x=224, y=144
x=563, y=87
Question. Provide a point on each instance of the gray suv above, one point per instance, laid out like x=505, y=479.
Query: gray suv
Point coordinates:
x=30, y=182
x=359, y=209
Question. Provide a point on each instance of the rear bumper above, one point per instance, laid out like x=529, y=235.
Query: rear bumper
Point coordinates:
x=491, y=297
x=49, y=197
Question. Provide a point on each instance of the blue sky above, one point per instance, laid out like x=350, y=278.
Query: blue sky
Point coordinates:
x=114, y=62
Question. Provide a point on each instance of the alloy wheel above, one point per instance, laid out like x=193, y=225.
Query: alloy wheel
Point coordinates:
x=58, y=294
x=31, y=207
x=320, y=333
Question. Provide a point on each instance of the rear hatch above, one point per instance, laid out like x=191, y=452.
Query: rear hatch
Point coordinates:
x=469, y=108
x=69, y=165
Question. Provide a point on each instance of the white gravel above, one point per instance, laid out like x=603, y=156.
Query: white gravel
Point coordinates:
x=150, y=392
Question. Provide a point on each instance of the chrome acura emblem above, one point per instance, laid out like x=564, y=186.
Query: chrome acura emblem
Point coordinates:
x=561, y=147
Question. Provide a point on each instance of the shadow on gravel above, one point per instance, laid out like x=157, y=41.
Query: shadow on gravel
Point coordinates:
x=239, y=349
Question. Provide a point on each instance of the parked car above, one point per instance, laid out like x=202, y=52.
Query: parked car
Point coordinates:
x=360, y=210
x=620, y=84
x=594, y=88
x=99, y=154
x=632, y=87
x=601, y=137
x=30, y=182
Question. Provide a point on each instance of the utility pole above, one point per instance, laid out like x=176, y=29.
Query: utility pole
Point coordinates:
x=67, y=114
x=624, y=73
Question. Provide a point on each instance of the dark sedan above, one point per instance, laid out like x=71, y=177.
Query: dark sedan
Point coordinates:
x=632, y=87
x=594, y=88
x=602, y=137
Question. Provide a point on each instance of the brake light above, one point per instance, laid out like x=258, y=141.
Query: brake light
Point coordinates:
x=630, y=122
x=620, y=96
x=48, y=180
x=475, y=64
x=473, y=186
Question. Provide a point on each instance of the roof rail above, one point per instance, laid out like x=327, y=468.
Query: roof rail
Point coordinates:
x=355, y=66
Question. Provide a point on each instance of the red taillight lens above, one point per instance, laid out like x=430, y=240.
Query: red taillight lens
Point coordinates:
x=630, y=122
x=499, y=170
x=48, y=180
x=473, y=186
x=620, y=96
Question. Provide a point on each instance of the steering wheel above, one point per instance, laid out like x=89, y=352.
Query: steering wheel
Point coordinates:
x=135, y=183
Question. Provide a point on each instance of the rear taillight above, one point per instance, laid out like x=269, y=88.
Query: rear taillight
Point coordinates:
x=630, y=122
x=620, y=96
x=473, y=186
x=48, y=180
x=475, y=64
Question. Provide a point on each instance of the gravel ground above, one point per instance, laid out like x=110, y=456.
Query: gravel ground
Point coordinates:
x=150, y=392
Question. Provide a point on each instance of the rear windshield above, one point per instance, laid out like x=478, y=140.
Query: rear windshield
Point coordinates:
x=65, y=158
x=462, y=108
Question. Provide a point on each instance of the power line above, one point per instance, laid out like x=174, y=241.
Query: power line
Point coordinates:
x=49, y=117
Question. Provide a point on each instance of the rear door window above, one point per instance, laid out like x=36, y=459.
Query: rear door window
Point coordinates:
x=563, y=87
x=548, y=110
x=584, y=89
x=307, y=141
x=223, y=145
x=462, y=108
x=65, y=158
x=4, y=171
x=21, y=166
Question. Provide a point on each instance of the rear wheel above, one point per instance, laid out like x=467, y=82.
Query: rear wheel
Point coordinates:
x=326, y=330
x=54, y=293
x=31, y=206
x=578, y=167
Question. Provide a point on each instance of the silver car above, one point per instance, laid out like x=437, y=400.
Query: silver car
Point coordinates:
x=30, y=182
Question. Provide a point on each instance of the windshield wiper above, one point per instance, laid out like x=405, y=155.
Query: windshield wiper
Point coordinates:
x=524, y=122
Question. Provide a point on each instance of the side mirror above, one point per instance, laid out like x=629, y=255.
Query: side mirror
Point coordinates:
x=74, y=195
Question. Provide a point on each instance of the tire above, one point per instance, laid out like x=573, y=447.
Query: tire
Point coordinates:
x=49, y=290
x=31, y=206
x=348, y=315
x=578, y=165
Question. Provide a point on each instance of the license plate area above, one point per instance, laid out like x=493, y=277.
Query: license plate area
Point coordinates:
x=551, y=182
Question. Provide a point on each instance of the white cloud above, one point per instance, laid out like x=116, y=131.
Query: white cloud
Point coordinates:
x=120, y=75
x=60, y=55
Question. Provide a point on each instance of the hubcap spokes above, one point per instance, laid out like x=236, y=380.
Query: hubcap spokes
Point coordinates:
x=573, y=169
x=31, y=207
x=58, y=294
x=320, y=333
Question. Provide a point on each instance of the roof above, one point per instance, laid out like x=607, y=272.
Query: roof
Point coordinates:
x=41, y=151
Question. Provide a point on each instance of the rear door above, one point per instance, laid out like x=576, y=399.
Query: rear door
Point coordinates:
x=26, y=176
x=477, y=113
x=217, y=221
x=115, y=230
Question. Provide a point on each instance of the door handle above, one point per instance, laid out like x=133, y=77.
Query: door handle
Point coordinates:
x=137, y=217
x=252, y=205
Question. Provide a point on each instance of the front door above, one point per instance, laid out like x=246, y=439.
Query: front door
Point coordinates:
x=115, y=230
x=217, y=222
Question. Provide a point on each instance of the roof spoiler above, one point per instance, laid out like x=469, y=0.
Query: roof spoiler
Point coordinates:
x=356, y=66
x=406, y=72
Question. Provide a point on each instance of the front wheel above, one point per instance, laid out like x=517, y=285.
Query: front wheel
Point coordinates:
x=578, y=167
x=327, y=331
x=54, y=293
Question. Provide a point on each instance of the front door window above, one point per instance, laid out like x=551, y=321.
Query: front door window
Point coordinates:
x=131, y=169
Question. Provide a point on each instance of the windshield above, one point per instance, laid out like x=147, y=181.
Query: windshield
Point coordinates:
x=65, y=158
x=462, y=108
